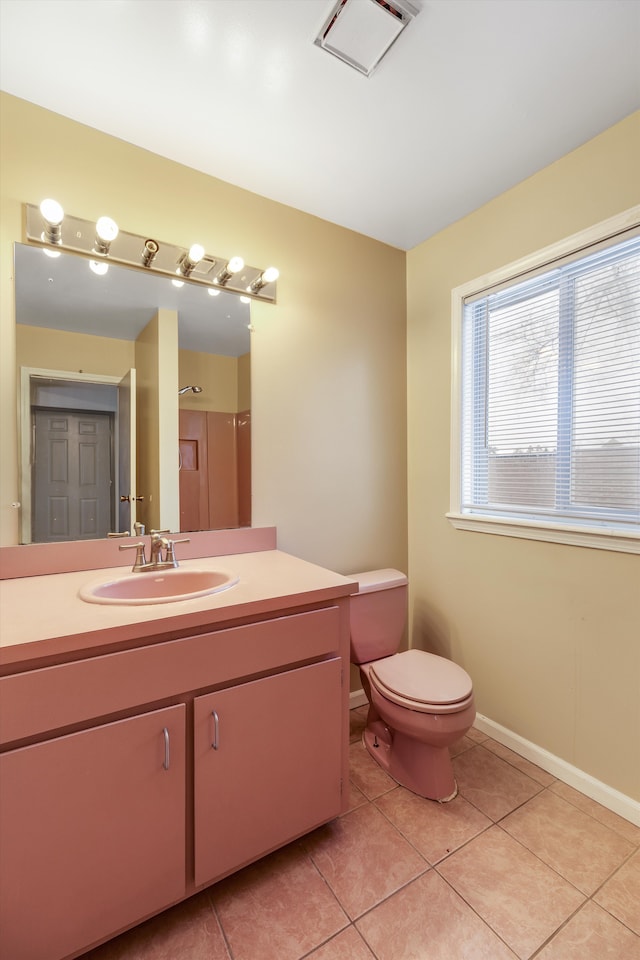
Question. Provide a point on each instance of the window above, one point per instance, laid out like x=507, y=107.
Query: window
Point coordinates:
x=546, y=432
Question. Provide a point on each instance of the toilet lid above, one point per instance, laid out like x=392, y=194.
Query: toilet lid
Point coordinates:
x=422, y=678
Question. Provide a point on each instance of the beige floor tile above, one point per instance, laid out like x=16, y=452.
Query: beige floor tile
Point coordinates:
x=610, y=819
x=621, y=894
x=368, y=776
x=525, y=766
x=579, y=848
x=490, y=784
x=477, y=735
x=357, y=722
x=434, y=829
x=277, y=909
x=592, y=934
x=427, y=920
x=356, y=797
x=348, y=945
x=363, y=858
x=187, y=930
x=465, y=743
x=521, y=899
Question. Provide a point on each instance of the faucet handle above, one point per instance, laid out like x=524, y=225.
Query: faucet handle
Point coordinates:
x=171, y=553
x=141, y=560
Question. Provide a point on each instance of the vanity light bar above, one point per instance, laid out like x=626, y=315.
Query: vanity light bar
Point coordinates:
x=51, y=227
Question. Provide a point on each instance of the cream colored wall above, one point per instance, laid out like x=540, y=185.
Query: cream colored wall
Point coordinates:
x=63, y=350
x=550, y=633
x=148, y=425
x=218, y=377
x=156, y=361
x=328, y=362
x=244, y=382
x=169, y=452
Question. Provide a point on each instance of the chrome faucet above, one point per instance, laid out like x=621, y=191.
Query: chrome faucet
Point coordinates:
x=156, y=561
x=158, y=543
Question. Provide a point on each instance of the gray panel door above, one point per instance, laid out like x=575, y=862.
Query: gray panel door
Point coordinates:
x=72, y=475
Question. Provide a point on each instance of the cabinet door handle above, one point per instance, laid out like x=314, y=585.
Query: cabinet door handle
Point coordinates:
x=166, y=749
x=216, y=741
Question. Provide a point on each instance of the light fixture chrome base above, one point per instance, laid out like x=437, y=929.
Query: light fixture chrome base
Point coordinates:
x=143, y=253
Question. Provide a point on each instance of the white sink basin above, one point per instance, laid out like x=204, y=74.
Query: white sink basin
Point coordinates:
x=163, y=586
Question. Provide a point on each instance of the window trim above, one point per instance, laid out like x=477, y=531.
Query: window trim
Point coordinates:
x=600, y=537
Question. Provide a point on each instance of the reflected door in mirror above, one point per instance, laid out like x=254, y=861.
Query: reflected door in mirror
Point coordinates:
x=215, y=470
x=72, y=475
x=194, y=489
x=243, y=434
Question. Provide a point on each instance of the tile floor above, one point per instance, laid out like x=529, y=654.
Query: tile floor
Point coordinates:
x=519, y=865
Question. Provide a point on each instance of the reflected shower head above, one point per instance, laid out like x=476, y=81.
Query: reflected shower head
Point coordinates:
x=187, y=389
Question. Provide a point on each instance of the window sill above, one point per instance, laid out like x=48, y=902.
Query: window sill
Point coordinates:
x=599, y=539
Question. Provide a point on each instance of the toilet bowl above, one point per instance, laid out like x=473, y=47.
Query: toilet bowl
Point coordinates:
x=419, y=703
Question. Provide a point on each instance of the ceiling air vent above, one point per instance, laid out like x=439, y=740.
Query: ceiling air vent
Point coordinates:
x=360, y=32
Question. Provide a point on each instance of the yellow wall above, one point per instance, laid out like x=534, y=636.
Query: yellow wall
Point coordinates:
x=76, y=352
x=549, y=633
x=148, y=425
x=244, y=382
x=328, y=362
x=156, y=355
x=218, y=377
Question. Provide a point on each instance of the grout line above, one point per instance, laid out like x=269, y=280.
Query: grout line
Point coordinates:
x=486, y=923
x=333, y=936
x=611, y=876
x=219, y=922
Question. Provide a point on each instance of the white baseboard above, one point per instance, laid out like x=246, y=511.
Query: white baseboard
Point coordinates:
x=620, y=803
x=595, y=789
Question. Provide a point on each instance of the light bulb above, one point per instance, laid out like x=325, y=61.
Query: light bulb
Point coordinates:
x=52, y=253
x=267, y=276
x=245, y=299
x=178, y=283
x=213, y=293
x=99, y=267
x=52, y=212
x=196, y=253
x=107, y=229
x=233, y=266
x=190, y=260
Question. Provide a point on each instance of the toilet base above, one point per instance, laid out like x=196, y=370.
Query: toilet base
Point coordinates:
x=420, y=767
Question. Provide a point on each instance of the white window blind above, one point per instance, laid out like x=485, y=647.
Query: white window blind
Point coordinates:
x=550, y=393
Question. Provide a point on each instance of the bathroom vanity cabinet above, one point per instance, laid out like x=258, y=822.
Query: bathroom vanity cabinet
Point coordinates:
x=93, y=834
x=266, y=765
x=133, y=774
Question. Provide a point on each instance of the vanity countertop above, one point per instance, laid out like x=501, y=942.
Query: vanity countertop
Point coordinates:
x=43, y=617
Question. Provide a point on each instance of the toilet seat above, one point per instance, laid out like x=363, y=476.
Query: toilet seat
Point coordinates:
x=422, y=681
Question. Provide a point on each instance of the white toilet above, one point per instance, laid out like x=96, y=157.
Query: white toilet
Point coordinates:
x=419, y=703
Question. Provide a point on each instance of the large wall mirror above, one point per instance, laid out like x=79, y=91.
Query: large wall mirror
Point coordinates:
x=89, y=394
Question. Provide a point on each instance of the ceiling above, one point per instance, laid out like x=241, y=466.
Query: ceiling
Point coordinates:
x=474, y=96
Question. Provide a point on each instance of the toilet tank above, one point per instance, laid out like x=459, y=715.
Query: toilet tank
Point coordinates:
x=378, y=614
